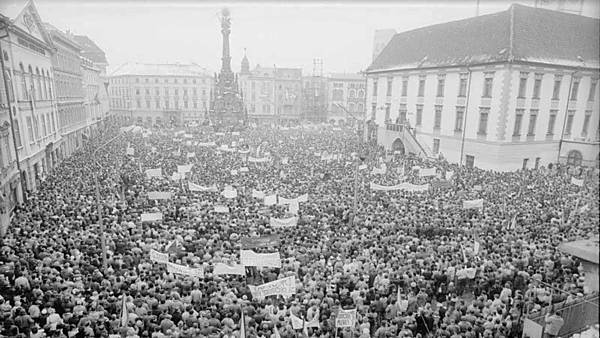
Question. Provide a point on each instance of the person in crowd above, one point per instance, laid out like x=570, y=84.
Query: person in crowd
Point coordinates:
x=405, y=260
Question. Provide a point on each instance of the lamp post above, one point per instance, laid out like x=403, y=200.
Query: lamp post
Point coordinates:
x=99, y=205
x=562, y=133
x=356, y=165
x=464, y=126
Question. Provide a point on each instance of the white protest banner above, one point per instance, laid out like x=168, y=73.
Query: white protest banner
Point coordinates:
x=158, y=257
x=179, y=132
x=130, y=151
x=224, y=269
x=449, y=175
x=185, y=270
x=577, y=182
x=221, y=209
x=151, y=217
x=207, y=144
x=153, y=149
x=270, y=199
x=251, y=258
x=477, y=187
x=126, y=129
x=300, y=324
x=293, y=208
x=473, y=204
x=345, y=318
x=233, y=172
x=229, y=193
x=362, y=167
x=378, y=171
x=196, y=187
x=188, y=136
x=184, y=168
x=424, y=172
x=177, y=176
x=153, y=173
x=188, y=143
x=302, y=198
x=244, y=169
x=258, y=194
x=159, y=195
x=476, y=247
x=190, y=155
x=402, y=186
x=285, y=160
x=285, y=201
x=244, y=152
x=283, y=222
x=285, y=287
x=258, y=160
x=220, y=134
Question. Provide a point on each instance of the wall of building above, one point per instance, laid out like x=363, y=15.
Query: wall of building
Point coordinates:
x=498, y=146
x=160, y=98
x=349, y=93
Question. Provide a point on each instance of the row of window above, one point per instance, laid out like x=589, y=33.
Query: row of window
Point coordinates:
x=167, y=105
x=48, y=126
x=69, y=116
x=33, y=85
x=488, y=85
x=338, y=94
x=138, y=91
x=483, y=119
x=159, y=80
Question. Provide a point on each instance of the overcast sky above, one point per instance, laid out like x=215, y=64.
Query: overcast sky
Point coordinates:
x=288, y=35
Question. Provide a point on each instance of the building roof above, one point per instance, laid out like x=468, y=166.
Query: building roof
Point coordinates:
x=67, y=37
x=520, y=33
x=170, y=69
x=347, y=76
x=12, y=8
x=90, y=49
x=586, y=249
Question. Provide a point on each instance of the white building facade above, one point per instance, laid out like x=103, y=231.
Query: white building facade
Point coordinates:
x=346, y=96
x=501, y=106
x=160, y=93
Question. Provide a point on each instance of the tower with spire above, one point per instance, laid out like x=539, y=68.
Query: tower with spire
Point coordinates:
x=245, y=69
x=227, y=110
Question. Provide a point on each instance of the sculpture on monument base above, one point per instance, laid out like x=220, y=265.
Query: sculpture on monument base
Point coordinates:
x=227, y=111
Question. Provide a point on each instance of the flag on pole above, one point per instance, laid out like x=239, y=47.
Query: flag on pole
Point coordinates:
x=124, y=314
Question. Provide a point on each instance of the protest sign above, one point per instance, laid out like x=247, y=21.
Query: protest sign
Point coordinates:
x=151, y=217
x=260, y=242
x=251, y=258
x=185, y=270
x=283, y=223
x=473, y=204
x=158, y=257
x=285, y=287
x=345, y=318
x=199, y=188
x=224, y=269
x=159, y=195
x=153, y=173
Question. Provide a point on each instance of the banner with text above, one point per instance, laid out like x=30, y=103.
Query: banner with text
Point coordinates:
x=285, y=287
x=283, y=222
x=402, y=186
x=158, y=257
x=151, y=217
x=345, y=318
x=251, y=258
x=185, y=270
x=224, y=269
x=260, y=242
x=159, y=195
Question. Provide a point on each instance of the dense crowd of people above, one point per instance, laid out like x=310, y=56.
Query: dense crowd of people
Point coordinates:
x=413, y=264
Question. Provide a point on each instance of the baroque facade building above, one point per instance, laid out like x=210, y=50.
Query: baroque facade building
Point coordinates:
x=346, y=96
x=70, y=96
x=526, y=98
x=160, y=93
x=271, y=93
x=29, y=129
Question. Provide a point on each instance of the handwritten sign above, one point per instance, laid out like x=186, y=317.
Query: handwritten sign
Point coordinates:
x=251, y=258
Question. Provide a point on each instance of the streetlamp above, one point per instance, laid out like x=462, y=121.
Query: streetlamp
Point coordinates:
x=562, y=133
x=99, y=204
x=356, y=162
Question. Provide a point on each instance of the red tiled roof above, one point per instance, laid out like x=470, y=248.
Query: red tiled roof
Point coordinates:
x=538, y=35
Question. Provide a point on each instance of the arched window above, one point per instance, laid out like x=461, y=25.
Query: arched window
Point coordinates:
x=31, y=84
x=361, y=93
x=574, y=158
x=351, y=107
x=38, y=82
x=360, y=108
x=352, y=93
x=24, y=92
x=49, y=84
